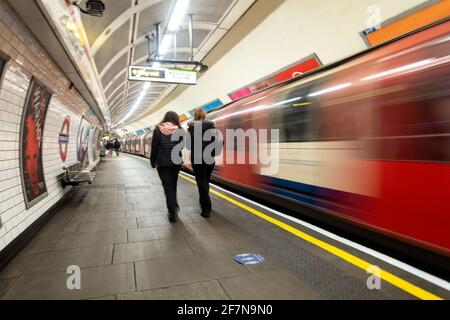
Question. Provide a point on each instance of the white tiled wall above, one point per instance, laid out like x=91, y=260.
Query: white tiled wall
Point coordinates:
x=27, y=59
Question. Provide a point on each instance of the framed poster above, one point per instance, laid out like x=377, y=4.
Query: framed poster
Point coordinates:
x=95, y=144
x=83, y=143
x=79, y=149
x=31, y=137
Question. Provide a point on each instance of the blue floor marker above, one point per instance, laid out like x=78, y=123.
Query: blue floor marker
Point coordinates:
x=249, y=258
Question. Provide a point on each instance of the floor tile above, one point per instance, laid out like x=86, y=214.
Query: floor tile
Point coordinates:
x=91, y=239
x=106, y=225
x=157, y=233
x=138, y=251
x=53, y=261
x=219, y=242
x=272, y=285
x=181, y=270
x=95, y=282
x=5, y=285
x=101, y=216
x=153, y=221
x=208, y=290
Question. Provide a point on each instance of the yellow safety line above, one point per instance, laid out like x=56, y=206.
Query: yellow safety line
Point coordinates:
x=386, y=276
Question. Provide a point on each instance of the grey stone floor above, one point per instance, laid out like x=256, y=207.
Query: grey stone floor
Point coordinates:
x=116, y=230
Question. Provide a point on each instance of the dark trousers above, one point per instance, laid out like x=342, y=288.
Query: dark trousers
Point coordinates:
x=203, y=176
x=169, y=179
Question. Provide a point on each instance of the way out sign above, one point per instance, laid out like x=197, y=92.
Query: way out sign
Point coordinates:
x=249, y=258
x=138, y=73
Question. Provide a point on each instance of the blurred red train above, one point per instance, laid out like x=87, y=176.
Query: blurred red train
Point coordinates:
x=365, y=140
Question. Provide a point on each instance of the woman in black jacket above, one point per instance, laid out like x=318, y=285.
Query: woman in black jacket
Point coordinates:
x=203, y=135
x=166, y=157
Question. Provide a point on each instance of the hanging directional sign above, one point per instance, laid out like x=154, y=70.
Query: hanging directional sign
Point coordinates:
x=138, y=73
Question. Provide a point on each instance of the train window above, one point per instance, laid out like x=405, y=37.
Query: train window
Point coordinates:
x=240, y=122
x=293, y=116
x=415, y=131
x=336, y=123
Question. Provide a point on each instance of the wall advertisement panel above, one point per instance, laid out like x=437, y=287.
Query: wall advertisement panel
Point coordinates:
x=93, y=145
x=83, y=143
x=31, y=137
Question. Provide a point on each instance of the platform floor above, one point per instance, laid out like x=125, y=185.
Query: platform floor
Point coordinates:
x=116, y=230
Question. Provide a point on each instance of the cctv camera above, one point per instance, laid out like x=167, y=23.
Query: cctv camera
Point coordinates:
x=202, y=68
x=95, y=7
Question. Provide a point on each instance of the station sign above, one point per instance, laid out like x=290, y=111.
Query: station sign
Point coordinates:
x=139, y=73
x=63, y=139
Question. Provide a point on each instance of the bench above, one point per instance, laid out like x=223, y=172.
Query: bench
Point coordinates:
x=75, y=174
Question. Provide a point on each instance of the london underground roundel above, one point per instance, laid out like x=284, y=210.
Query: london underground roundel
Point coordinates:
x=64, y=139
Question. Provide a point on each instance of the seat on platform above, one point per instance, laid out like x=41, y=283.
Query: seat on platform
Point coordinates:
x=76, y=174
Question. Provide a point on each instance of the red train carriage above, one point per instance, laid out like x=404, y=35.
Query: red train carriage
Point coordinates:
x=366, y=140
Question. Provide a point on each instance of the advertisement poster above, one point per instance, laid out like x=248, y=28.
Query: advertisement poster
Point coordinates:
x=31, y=137
x=96, y=144
x=83, y=143
x=93, y=145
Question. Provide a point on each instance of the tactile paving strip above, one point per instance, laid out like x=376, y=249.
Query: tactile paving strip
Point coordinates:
x=320, y=275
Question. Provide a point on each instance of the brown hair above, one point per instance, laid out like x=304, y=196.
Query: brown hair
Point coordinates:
x=199, y=114
x=171, y=117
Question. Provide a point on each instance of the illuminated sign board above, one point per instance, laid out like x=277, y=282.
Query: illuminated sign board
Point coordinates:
x=137, y=73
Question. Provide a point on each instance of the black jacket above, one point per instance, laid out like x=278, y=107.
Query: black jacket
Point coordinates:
x=162, y=147
x=212, y=140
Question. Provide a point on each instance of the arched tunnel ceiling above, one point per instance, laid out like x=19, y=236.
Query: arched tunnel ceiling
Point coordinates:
x=118, y=39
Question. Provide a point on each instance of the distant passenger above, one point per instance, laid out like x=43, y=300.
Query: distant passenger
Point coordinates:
x=110, y=147
x=117, y=146
x=166, y=157
x=205, y=145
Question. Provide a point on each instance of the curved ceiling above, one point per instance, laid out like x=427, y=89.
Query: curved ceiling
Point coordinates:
x=117, y=40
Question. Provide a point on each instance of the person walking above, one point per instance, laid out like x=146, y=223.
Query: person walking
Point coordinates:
x=117, y=146
x=167, y=144
x=110, y=147
x=202, y=134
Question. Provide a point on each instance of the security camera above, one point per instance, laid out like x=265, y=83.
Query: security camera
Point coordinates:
x=94, y=8
x=202, y=68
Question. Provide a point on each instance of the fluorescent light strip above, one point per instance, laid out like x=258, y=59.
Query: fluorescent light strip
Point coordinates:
x=259, y=108
x=178, y=14
x=332, y=89
x=145, y=88
x=408, y=67
x=165, y=44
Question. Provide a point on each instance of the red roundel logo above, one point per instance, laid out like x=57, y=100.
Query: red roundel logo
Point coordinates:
x=64, y=139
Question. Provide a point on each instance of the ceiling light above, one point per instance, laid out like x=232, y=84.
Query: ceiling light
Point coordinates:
x=165, y=44
x=178, y=14
x=145, y=88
